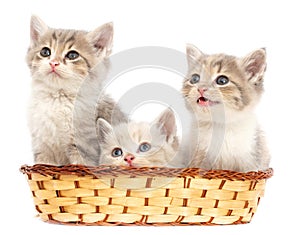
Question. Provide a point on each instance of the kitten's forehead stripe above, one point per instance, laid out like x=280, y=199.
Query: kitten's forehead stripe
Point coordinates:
x=70, y=39
x=218, y=64
x=54, y=36
x=50, y=42
x=71, y=45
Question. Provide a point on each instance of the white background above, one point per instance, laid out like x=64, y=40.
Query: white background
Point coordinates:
x=234, y=27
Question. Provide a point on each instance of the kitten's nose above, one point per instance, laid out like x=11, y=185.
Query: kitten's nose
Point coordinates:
x=129, y=158
x=202, y=90
x=54, y=63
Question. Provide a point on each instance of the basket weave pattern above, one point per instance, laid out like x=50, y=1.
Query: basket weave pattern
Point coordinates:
x=107, y=195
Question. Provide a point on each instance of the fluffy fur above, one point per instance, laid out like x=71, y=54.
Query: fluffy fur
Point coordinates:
x=223, y=91
x=160, y=135
x=67, y=66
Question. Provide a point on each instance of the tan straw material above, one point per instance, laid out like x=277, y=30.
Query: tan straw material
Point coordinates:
x=110, y=195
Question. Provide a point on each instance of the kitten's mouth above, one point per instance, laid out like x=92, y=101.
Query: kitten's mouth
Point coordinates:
x=204, y=102
x=54, y=73
x=130, y=164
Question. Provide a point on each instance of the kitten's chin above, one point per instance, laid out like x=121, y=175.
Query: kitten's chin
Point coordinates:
x=54, y=75
x=58, y=80
x=59, y=75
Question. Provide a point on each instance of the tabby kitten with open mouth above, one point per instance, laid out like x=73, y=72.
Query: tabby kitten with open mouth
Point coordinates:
x=223, y=91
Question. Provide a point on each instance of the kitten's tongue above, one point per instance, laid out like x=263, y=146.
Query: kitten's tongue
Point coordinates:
x=202, y=101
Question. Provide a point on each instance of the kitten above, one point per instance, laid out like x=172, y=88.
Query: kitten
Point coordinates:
x=66, y=66
x=139, y=144
x=223, y=91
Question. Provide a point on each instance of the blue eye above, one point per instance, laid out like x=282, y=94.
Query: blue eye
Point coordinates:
x=45, y=52
x=72, y=55
x=222, y=80
x=195, y=78
x=144, y=147
x=117, y=152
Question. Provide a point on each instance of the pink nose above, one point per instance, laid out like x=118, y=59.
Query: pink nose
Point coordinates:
x=53, y=64
x=129, y=158
x=202, y=90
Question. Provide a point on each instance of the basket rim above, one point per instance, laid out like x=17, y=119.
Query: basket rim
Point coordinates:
x=116, y=171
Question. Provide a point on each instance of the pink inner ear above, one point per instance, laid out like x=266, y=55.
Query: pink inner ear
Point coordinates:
x=255, y=64
x=102, y=37
x=100, y=43
x=253, y=68
x=167, y=124
x=37, y=28
x=34, y=35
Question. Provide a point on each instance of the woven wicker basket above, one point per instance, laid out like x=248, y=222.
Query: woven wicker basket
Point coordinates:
x=107, y=195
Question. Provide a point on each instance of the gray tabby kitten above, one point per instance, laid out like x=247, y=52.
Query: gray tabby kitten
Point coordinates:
x=223, y=91
x=68, y=66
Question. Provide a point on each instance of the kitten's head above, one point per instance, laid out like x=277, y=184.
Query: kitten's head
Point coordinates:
x=222, y=81
x=59, y=57
x=139, y=144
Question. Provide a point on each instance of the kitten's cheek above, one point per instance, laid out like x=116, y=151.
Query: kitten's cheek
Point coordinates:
x=139, y=162
x=83, y=73
x=34, y=71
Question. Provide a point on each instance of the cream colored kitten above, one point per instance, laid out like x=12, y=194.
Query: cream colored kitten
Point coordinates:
x=139, y=144
x=60, y=61
x=223, y=90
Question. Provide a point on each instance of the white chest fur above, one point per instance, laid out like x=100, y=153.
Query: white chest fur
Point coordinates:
x=50, y=118
x=229, y=145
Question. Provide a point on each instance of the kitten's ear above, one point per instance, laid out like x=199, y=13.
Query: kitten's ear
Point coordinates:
x=193, y=54
x=255, y=65
x=167, y=123
x=101, y=38
x=103, y=129
x=37, y=29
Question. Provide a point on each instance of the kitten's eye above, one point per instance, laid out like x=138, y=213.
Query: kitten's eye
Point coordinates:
x=45, y=52
x=222, y=80
x=117, y=152
x=72, y=55
x=195, y=78
x=144, y=147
